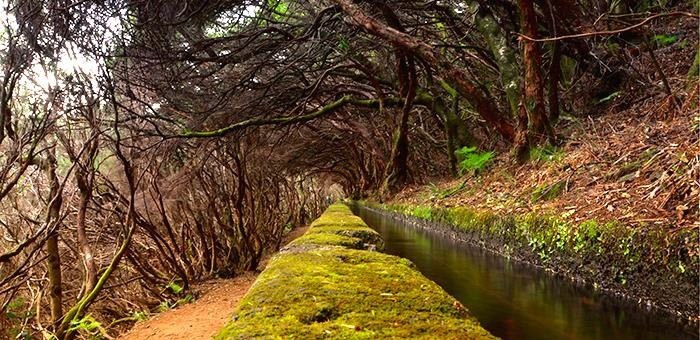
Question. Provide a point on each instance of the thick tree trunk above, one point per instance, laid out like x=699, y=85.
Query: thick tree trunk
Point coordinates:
x=458, y=134
x=534, y=85
x=445, y=68
x=396, y=173
x=567, y=8
x=522, y=145
x=397, y=168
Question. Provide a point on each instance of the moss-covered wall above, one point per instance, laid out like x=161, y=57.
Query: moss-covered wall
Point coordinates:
x=651, y=266
x=330, y=283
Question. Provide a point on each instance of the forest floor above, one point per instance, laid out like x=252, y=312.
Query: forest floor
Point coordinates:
x=206, y=316
x=639, y=167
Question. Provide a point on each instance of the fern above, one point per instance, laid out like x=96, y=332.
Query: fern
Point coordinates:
x=473, y=161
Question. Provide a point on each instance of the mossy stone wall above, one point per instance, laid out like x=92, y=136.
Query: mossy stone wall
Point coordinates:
x=331, y=284
x=651, y=266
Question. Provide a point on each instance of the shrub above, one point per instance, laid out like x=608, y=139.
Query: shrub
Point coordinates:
x=473, y=161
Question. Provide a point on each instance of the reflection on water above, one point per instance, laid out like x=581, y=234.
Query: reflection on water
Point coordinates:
x=514, y=301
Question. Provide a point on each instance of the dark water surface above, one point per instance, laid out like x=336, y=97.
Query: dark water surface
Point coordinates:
x=515, y=301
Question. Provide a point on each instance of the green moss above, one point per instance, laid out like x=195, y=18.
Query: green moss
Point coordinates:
x=547, y=192
x=422, y=212
x=358, y=239
x=617, y=250
x=331, y=291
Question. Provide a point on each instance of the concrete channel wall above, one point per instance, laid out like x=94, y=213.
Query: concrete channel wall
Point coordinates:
x=334, y=283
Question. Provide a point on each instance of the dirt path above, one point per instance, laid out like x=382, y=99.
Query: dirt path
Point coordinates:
x=203, y=318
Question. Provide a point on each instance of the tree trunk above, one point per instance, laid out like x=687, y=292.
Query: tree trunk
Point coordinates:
x=554, y=76
x=533, y=98
x=397, y=168
x=85, y=178
x=396, y=172
x=522, y=145
x=54, y=259
x=503, y=53
x=458, y=134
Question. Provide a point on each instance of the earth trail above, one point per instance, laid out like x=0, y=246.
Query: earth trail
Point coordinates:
x=203, y=318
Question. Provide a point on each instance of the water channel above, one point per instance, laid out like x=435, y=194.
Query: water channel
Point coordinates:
x=516, y=301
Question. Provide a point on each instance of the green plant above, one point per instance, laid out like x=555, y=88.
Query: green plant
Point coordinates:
x=435, y=191
x=422, y=212
x=174, y=287
x=187, y=299
x=16, y=312
x=547, y=192
x=547, y=153
x=612, y=47
x=473, y=161
x=587, y=233
x=139, y=315
x=164, y=306
x=89, y=325
x=663, y=40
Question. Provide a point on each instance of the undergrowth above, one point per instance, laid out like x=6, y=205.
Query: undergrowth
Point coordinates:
x=472, y=161
x=547, y=153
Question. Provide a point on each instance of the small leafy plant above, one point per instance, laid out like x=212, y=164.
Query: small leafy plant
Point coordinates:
x=662, y=40
x=473, y=161
x=174, y=287
x=89, y=326
x=547, y=153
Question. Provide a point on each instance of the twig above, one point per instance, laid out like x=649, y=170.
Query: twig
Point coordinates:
x=629, y=28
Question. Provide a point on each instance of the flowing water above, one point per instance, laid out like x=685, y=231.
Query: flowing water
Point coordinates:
x=516, y=301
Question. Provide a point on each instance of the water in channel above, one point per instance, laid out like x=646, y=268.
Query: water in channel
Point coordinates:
x=516, y=301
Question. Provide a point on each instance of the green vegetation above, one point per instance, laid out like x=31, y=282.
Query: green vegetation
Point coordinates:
x=547, y=192
x=439, y=193
x=18, y=310
x=610, y=248
x=663, y=40
x=174, y=287
x=87, y=325
x=323, y=286
x=626, y=171
x=473, y=161
x=547, y=153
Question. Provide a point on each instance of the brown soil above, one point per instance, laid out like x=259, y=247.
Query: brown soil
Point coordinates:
x=203, y=318
x=628, y=168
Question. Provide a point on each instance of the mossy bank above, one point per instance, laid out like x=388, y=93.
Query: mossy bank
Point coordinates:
x=655, y=268
x=330, y=283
